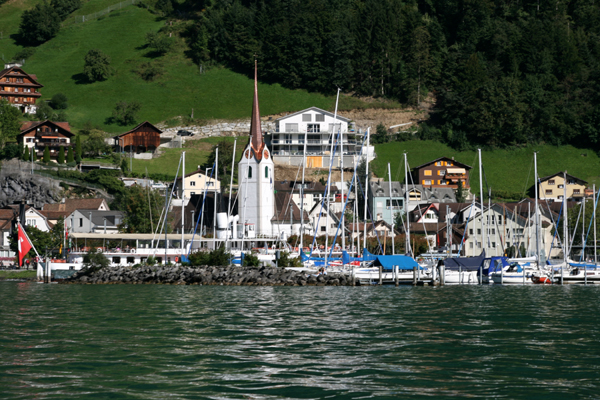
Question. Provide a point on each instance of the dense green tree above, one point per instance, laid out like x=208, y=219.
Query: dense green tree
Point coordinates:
x=381, y=134
x=26, y=156
x=65, y=7
x=46, y=158
x=78, y=148
x=159, y=42
x=59, y=101
x=44, y=112
x=70, y=156
x=10, y=122
x=97, y=66
x=39, y=24
x=61, y=156
x=95, y=145
x=141, y=207
x=125, y=113
x=10, y=151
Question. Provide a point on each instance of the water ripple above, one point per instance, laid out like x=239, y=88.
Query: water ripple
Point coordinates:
x=193, y=342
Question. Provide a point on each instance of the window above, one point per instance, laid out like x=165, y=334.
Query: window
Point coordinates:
x=561, y=186
x=306, y=118
x=471, y=245
x=493, y=245
x=379, y=204
x=211, y=184
x=479, y=231
x=442, y=172
x=427, y=182
x=414, y=195
x=551, y=182
x=576, y=191
x=193, y=183
x=116, y=260
x=549, y=191
x=479, y=245
x=427, y=172
x=266, y=172
x=80, y=222
x=291, y=128
x=439, y=163
x=323, y=228
x=319, y=117
x=249, y=172
x=314, y=128
x=397, y=204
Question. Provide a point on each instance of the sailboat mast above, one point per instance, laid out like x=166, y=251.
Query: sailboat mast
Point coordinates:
x=537, y=212
x=230, y=192
x=407, y=236
x=302, y=192
x=583, y=230
x=341, y=134
x=215, y=197
x=595, y=205
x=182, y=203
x=481, y=200
x=391, y=207
x=366, y=191
x=566, y=220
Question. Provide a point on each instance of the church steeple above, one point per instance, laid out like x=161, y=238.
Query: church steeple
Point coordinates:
x=256, y=141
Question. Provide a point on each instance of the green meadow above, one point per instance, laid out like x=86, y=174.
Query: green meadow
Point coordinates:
x=508, y=172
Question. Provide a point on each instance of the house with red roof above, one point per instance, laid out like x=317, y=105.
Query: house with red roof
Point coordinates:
x=19, y=88
x=39, y=134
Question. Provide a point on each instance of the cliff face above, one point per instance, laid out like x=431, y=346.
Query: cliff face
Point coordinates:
x=17, y=183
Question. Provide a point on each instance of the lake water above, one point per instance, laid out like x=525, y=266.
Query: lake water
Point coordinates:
x=209, y=342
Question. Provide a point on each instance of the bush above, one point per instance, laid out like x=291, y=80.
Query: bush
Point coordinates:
x=94, y=261
x=218, y=257
x=65, y=7
x=159, y=42
x=11, y=150
x=149, y=71
x=125, y=113
x=61, y=156
x=250, y=260
x=285, y=261
x=59, y=101
x=70, y=156
x=97, y=66
x=46, y=158
x=24, y=54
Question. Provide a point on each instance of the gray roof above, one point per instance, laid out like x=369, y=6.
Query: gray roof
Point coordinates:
x=113, y=218
x=434, y=195
x=339, y=117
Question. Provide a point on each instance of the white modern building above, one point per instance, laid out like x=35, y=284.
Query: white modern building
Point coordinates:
x=320, y=130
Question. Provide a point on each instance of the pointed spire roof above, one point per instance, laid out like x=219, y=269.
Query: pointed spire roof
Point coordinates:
x=256, y=140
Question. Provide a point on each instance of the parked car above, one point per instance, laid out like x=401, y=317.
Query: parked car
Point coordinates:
x=183, y=132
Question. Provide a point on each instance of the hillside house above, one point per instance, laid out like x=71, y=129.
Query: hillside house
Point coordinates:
x=41, y=134
x=94, y=221
x=442, y=172
x=19, y=88
x=553, y=187
x=144, y=137
x=319, y=128
x=196, y=183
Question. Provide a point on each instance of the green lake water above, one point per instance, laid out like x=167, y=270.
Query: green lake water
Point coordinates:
x=220, y=342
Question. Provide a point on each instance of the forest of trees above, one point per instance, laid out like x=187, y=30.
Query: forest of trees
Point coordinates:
x=501, y=73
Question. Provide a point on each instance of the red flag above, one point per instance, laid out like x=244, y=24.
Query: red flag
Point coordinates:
x=24, y=244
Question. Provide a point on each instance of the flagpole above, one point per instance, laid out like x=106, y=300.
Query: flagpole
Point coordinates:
x=34, y=249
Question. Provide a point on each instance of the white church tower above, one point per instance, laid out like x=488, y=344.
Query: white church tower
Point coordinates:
x=256, y=206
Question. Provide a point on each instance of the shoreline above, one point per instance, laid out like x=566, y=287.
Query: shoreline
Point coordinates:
x=205, y=275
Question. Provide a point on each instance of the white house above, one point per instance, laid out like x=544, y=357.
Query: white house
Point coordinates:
x=319, y=129
x=94, y=221
x=35, y=218
x=197, y=182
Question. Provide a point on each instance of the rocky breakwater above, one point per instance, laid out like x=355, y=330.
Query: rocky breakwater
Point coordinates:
x=229, y=276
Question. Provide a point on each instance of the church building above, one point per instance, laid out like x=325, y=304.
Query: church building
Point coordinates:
x=256, y=180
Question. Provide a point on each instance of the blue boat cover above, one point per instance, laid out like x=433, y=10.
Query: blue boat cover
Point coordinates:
x=389, y=262
x=464, y=263
x=496, y=264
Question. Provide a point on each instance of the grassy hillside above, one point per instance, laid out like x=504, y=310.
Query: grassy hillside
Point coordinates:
x=219, y=93
x=10, y=18
x=505, y=170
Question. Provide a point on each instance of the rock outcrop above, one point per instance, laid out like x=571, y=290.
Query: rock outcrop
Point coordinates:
x=17, y=183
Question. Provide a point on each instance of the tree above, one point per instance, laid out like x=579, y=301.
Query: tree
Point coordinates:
x=165, y=6
x=250, y=260
x=97, y=65
x=125, y=113
x=94, y=261
x=61, y=156
x=95, y=145
x=11, y=150
x=158, y=42
x=59, y=101
x=124, y=166
x=460, y=193
x=78, y=148
x=225, y=158
x=10, y=122
x=26, y=154
x=44, y=112
x=42, y=241
x=46, y=158
x=65, y=7
x=70, y=157
x=381, y=135
x=39, y=24
x=138, y=204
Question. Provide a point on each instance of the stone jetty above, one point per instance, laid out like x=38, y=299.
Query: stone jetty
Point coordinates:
x=229, y=276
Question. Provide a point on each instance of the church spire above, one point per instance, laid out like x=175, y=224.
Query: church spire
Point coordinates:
x=256, y=140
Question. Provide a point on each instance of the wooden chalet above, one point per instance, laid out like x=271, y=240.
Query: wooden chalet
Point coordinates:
x=19, y=88
x=443, y=172
x=142, y=138
x=39, y=134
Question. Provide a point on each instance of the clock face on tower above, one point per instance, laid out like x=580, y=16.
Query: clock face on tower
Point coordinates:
x=266, y=154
